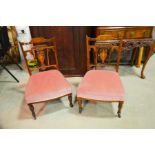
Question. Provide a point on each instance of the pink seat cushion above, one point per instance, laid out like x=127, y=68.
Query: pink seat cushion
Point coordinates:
x=101, y=85
x=46, y=85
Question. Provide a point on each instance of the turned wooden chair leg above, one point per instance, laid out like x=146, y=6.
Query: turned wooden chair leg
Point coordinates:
x=31, y=107
x=70, y=100
x=120, y=105
x=117, y=68
x=80, y=105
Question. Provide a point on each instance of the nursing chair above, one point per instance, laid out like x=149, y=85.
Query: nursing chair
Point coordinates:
x=102, y=85
x=46, y=84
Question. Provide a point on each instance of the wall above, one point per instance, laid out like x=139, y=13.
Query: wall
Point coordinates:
x=26, y=37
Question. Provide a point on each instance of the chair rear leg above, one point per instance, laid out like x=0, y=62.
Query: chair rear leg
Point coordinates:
x=31, y=107
x=70, y=100
x=120, y=105
x=80, y=105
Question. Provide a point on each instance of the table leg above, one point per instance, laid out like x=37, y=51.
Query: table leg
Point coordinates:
x=149, y=54
x=133, y=56
x=140, y=55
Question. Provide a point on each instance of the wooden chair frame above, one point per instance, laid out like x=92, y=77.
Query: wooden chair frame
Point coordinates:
x=42, y=45
x=31, y=105
x=106, y=43
x=79, y=100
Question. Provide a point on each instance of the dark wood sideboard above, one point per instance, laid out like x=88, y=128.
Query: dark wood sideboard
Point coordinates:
x=71, y=43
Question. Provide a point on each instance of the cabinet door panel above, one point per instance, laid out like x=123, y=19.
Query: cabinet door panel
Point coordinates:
x=70, y=45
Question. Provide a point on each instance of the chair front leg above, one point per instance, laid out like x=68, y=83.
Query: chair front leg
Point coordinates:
x=70, y=100
x=31, y=107
x=80, y=105
x=120, y=105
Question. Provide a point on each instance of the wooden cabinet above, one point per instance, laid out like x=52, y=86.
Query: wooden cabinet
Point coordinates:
x=126, y=32
x=71, y=46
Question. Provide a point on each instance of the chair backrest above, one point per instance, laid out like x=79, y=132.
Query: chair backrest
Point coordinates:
x=102, y=47
x=42, y=41
x=40, y=55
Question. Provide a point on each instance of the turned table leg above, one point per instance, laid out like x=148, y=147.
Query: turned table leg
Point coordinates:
x=141, y=49
x=31, y=107
x=80, y=105
x=70, y=100
x=120, y=105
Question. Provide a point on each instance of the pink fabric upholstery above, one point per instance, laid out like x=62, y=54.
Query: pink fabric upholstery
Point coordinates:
x=101, y=85
x=45, y=86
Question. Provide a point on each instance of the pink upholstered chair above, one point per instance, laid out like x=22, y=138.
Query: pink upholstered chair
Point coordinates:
x=102, y=85
x=48, y=84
